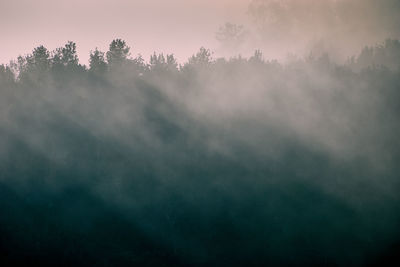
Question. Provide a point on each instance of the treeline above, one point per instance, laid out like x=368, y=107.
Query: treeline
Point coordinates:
x=63, y=65
x=386, y=54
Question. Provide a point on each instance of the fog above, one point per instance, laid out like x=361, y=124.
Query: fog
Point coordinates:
x=284, y=27
x=153, y=160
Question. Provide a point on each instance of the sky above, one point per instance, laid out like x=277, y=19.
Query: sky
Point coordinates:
x=175, y=26
x=181, y=27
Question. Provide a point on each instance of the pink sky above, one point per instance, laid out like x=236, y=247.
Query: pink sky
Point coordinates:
x=181, y=27
x=174, y=26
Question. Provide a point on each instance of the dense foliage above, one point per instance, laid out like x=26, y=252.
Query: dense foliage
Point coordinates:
x=213, y=162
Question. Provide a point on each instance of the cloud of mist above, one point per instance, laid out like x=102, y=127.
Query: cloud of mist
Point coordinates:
x=340, y=27
x=214, y=161
x=201, y=157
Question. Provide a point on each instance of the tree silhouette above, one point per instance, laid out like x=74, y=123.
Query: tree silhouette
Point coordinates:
x=118, y=53
x=66, y=56
x=160, y=63
x=40, y=59
x=231, y=36
x=34, y=67
x=6, y=75
x=257, y=58
x=97, y=63
x=201, y=59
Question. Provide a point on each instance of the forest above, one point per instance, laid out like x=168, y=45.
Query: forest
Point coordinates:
x=211, y=162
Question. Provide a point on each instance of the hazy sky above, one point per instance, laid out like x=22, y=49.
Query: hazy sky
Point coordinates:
x=173, y=26
x=340, y=27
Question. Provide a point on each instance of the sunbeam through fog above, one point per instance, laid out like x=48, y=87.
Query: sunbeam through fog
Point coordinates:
x=260, y=133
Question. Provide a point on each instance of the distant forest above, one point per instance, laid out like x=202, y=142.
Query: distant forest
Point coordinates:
x=42, y=64
x=214, y=162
